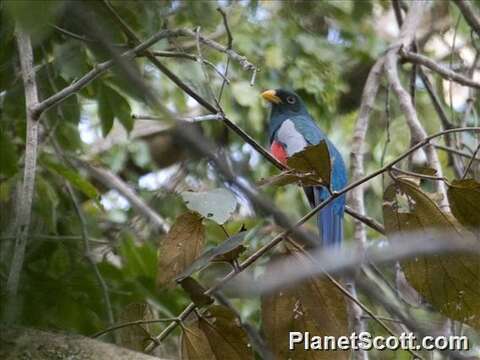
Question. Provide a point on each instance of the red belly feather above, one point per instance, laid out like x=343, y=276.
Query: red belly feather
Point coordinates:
x=279, y=152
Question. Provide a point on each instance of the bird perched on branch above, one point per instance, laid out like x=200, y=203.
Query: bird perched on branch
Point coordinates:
x=291, y=128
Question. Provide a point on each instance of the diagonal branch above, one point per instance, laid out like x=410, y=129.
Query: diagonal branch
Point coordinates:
x=469, y=14
x=441, y=70
x=112, y=181
x=24, y=206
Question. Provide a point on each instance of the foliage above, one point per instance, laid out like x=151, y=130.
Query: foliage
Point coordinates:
x=324, y=51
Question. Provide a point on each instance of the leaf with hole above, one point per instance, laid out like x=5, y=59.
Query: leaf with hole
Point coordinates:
x=448, y=282
x=315, y=305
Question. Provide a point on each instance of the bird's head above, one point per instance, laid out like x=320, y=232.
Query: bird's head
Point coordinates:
x=284, y=102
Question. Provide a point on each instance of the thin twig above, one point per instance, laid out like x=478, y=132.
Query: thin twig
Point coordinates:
x=24, y=206
x=455, y=151
x=470, y=163
x=131, y=323
x=88, y=253
x=112, y=181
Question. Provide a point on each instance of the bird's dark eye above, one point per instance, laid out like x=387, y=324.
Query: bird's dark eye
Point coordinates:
x=291, y=99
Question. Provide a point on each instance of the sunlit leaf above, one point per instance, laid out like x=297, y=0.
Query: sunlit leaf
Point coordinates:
x=217, y=204
x=448, y=282
x=181, y=246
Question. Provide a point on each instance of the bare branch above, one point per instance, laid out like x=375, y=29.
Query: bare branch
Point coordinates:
x=112, y=181
x=417, y=131
x=98, y=70
x=24, y=206
x=469, y=14
x=440, y=69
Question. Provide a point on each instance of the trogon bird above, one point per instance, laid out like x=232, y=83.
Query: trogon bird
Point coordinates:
x=291, y=128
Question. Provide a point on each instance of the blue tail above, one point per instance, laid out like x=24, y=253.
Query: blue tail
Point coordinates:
x=330, y=219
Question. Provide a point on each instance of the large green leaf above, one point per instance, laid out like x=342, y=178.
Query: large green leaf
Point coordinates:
x=450, y=283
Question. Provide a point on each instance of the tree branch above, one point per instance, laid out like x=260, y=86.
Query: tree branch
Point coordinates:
x=418, y=133
x=24, y=206
x=441, y=70
x=19, y=343
x=112, y=181
x=469, y=14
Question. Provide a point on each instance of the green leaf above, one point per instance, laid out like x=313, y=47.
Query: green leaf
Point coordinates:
x=181, y=246
x=8, y=156
x=464, y=198
x=73, y=178
x=113, y=105
x=448, y=282
x=217, y=204
x=315, y=305
x=315, y=160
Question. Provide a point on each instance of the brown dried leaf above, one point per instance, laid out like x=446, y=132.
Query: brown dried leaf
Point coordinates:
x=194, y=344
x=216, y=335
x=182, y=245
x=135, y=337
x=315, y=306
x=196, y=292
x=226, y=337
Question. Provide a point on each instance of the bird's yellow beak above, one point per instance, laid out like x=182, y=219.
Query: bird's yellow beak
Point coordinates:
x=271, y=96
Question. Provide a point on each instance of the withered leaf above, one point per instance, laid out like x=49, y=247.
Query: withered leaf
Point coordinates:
x=314, y=306
x=216, y=204
x=227, y=338
x=181, y=246
x=194, y=344
x=135, y=337
x=217, y=334
x=464, y=198
x=195, y=292
x=450, y=283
